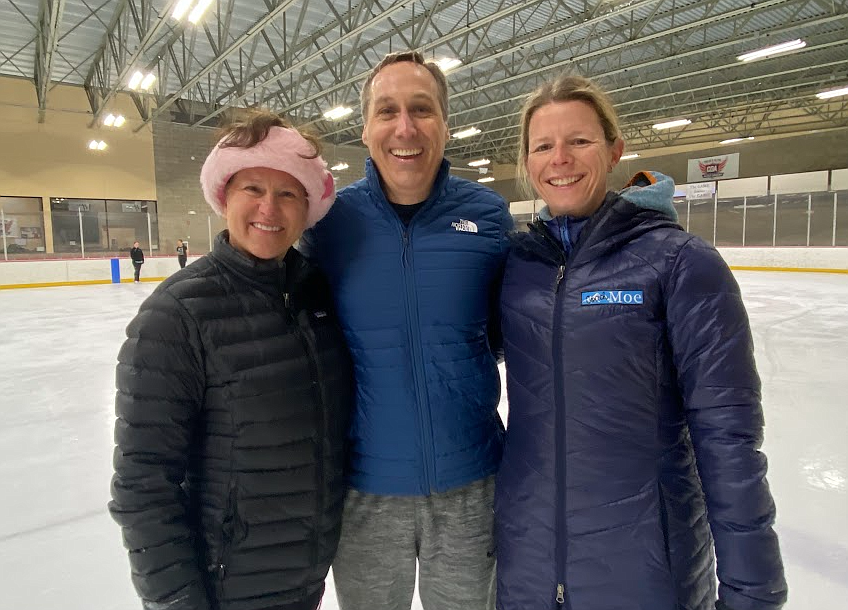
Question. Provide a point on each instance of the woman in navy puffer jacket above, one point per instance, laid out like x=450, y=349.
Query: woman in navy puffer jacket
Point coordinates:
x=632, y=463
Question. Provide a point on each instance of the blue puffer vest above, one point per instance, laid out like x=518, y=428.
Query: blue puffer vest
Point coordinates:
x=634, y=423
x=414, y=303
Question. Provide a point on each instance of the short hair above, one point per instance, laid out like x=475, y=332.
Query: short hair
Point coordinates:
x=565, y=88
x=245, y=128
x=413, y=57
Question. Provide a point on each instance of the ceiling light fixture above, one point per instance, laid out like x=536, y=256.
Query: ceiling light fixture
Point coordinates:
x=630, y=156
x=466, y=133
x=339, y=112
x=784, y=47
x=148, y=81
x=95, y=145
x=824, y=95
x=181, y=9
x=135, y=80
x=478, y=163
x=486, y=179
x=340, y=166
x=671, y=124
x=735, y=140
x=448, y=63
x=197, y=12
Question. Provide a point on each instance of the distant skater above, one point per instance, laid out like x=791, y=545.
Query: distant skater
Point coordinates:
x=137, y=256
x=182, y=253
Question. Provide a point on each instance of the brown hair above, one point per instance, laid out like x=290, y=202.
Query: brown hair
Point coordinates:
x=245, y=128
x=413, y=57
x=565, y=88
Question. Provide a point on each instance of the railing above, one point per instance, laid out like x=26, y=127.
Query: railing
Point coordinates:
x=804, y=219
x=91, y=235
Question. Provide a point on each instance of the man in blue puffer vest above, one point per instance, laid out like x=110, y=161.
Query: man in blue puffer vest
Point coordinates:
x=415, y=256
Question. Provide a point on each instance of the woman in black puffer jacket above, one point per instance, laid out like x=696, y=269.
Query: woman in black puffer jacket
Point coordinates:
x=234, y=387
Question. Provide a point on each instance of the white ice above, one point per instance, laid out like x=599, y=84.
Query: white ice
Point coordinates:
x=60, y=550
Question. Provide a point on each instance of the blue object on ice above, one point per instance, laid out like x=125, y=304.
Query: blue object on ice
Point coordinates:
x=116, y=271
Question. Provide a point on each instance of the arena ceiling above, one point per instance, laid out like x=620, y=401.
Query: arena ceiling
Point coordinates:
x=660, y=60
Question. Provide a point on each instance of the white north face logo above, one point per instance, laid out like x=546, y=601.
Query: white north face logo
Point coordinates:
x=465, y=225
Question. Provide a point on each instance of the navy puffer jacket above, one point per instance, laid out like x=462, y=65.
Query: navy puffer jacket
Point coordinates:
x=634, y=425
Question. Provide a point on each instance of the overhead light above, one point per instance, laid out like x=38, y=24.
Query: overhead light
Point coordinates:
x=466, y=133
x=784, y=47
x=197, y=12
x=735, y=140
x=447, y=64
x=135, y=80
x=101, y=145
x=478, y=163
x=95, y=145
x=181, y=9
x=339, y=112
x=670, y=124
x=148, y=81
x=114, y=121
x=340, y=166
x=486, y=179
x=630, y=156
x=834, y=93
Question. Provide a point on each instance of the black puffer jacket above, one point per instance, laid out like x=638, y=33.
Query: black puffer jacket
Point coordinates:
x=234, y=387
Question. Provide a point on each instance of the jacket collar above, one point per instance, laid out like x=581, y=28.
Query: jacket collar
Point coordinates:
x=644, y=204
x=372, y=175
x=270, y=275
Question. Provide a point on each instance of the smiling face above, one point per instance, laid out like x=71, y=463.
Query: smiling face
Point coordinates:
x=405, y=131
x=568, y=157
x=266, y=212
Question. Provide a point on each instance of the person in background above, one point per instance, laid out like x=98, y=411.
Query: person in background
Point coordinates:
x=182, y=253
x=137, y=258
x=414, y=256
x=632, y=465
x=234, y=389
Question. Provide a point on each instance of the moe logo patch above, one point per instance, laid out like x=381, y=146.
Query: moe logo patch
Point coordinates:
x=612, y=297
x=465, y=225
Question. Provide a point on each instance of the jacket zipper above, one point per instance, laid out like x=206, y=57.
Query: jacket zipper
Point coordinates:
x=424, y=423
x=311, y=348
x=559, y=426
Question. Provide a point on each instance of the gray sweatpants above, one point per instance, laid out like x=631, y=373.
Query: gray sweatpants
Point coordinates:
x=450, y=534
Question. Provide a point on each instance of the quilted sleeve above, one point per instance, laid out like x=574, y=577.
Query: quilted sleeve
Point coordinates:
x=160, y=384
x=494, y=326
x=714, y=356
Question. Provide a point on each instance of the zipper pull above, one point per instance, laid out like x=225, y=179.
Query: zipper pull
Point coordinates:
x=560, y=598
x=559, y=277
x=286, y=300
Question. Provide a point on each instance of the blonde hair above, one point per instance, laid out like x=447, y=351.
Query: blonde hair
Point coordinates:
x=413, y=57
x=564, y=88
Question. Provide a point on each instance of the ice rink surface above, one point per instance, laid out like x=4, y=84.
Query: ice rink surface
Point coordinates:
x=60, y=550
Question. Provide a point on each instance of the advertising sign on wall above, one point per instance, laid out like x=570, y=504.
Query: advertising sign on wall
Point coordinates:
x=718, y=167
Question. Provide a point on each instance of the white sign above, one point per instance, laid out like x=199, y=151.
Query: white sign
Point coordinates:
x=10, y=228
x=134, y=206
x=700, y=190
x=719, y=167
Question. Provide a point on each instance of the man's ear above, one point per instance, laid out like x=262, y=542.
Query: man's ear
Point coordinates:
x=365, y=134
